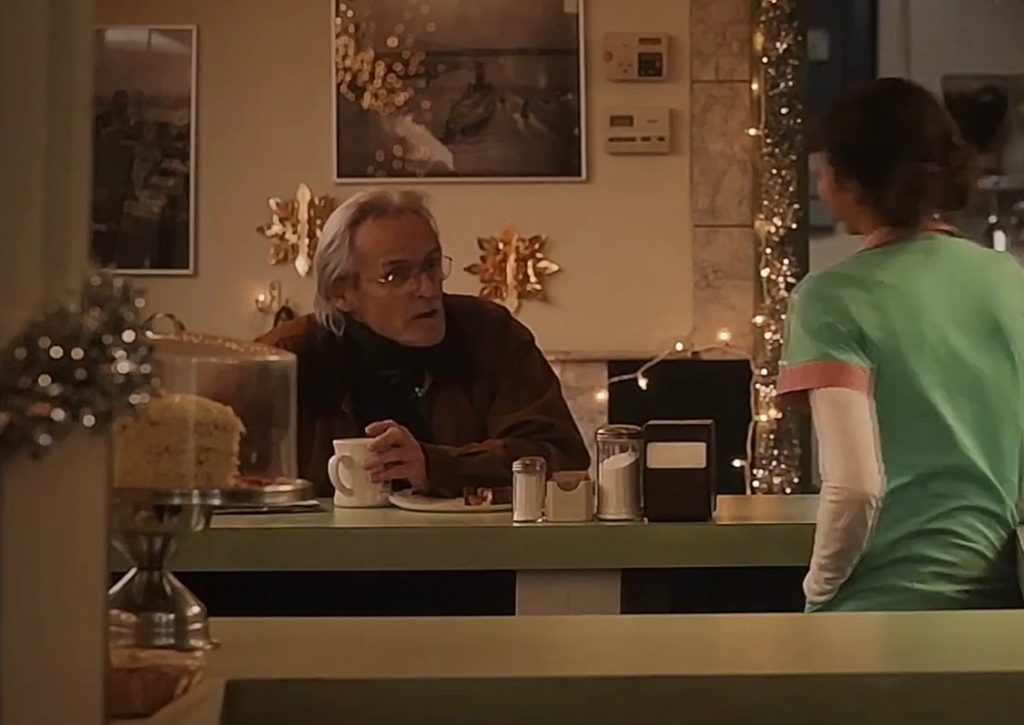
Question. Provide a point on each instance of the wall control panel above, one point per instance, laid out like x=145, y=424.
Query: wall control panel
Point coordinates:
x=638, y=131
x=636, y=56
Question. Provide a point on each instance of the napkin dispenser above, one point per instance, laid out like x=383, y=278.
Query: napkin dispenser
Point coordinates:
x=679, y=470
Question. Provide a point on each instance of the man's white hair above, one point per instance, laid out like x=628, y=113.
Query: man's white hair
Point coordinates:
x=333, y=263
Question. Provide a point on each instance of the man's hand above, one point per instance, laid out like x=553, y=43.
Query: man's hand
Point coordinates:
x=395, y=455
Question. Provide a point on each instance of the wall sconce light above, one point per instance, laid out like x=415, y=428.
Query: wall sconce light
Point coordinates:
x=271, y=302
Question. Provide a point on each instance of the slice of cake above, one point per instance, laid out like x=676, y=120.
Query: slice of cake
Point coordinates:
x=177, y=441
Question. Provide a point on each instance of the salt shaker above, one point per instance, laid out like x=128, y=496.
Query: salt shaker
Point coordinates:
x=529, y=483
x=619, y=466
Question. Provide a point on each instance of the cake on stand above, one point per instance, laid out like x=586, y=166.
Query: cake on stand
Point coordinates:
x=222, y=433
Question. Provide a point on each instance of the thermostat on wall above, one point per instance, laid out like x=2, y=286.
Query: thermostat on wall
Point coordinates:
x=638, y=131
x=636, y=56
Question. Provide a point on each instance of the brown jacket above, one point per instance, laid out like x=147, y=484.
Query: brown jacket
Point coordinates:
x=492, y=398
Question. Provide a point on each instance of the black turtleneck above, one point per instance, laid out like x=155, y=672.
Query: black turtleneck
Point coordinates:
x=386, y=378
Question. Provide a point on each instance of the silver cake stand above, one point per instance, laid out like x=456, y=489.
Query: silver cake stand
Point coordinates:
x=149, y=607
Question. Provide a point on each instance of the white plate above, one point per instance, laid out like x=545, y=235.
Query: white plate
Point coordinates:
x=411, y=501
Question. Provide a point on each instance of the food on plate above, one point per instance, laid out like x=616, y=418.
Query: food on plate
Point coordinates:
x=254, y=483
x=484, y=496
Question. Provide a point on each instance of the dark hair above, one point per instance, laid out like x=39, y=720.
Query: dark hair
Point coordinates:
x=895, y=140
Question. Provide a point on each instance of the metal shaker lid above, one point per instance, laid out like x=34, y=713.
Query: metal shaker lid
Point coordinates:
x=619, y=432
x=529, y=464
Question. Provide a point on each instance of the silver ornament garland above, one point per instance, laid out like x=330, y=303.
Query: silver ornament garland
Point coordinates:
x=773, y=464
x=76, y=367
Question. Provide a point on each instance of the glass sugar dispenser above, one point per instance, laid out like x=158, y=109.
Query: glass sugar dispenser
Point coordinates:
x=619, y=471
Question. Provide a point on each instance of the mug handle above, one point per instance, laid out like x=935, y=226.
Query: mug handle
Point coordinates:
x=332, y=473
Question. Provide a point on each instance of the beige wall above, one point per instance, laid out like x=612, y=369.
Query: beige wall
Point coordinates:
x=623, y=238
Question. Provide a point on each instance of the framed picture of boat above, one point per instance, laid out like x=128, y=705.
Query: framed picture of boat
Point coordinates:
x=458, y=90
x=143, y=198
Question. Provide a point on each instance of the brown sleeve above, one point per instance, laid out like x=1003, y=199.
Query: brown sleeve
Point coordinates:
x=291, y=336
x=529, y=417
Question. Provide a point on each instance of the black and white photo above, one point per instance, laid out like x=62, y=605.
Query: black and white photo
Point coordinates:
x=144, y=149
x=456, y=90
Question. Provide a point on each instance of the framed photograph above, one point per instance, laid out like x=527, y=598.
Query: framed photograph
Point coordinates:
x=458, y=90
x=143, y=203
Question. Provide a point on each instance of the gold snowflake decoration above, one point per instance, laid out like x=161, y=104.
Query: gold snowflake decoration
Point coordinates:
x=513, y=268
x=295, y=227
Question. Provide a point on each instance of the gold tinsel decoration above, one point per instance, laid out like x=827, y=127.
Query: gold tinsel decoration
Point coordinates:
x=295, y=227
x=513, y=268
x=773, y=464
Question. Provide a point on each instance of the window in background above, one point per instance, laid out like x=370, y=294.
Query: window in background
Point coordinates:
x=842, y=50
x=970, y=52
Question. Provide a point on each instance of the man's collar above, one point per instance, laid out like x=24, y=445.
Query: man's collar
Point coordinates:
x=452, y=358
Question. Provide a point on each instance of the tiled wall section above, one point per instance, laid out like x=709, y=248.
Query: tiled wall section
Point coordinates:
x=722, y=189
x=720, y=32
x=723, y=281
x=722, y=178
x=581, y=383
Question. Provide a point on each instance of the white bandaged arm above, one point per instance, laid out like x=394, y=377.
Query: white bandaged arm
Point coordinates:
x=851, y=487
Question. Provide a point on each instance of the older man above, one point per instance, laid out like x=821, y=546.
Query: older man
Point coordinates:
x=451, y=388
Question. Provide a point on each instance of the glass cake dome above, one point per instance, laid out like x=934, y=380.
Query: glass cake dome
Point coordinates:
x=225, y=416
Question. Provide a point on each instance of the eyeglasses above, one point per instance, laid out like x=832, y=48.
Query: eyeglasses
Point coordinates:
x=401, y=276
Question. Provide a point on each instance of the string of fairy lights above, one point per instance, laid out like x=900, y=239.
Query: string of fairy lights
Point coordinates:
x=772, y=464
x=680, y=350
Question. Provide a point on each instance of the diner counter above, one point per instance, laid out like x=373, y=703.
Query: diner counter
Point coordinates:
x=748, y=531
x=560, y=568
x=940, y=667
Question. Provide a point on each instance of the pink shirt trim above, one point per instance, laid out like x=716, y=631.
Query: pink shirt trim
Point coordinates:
x=824, y=374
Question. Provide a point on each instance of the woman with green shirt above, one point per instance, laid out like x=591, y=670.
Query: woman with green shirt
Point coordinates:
x=911, y=354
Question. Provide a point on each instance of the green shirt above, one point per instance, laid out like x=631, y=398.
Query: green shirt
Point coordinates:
x=933, y=327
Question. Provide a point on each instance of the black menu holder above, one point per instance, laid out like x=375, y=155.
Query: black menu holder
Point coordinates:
x=679, y=470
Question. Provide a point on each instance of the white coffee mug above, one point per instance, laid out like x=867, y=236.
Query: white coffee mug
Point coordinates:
x=352, y=484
